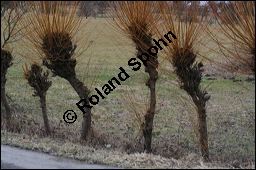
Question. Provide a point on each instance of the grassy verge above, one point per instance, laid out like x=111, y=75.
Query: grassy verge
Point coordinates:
x=103, y=156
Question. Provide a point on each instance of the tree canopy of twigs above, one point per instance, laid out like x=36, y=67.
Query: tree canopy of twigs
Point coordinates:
x=11, y=16
x=137, y=20
x=186, y=23
x=52, y=21
x=235, y=35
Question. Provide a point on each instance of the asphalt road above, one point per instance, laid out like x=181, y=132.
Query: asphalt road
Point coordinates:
x=15, y=158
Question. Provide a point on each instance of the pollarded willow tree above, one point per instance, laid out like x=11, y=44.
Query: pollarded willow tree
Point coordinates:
x=53, y=27
x=6, y=62
x=137, y=20
x=187, y=23
x=11, y=16
x=38, y=80
x=234, y=35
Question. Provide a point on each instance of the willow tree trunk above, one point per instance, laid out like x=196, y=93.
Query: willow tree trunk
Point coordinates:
x=6, y=105
x=190, y=77
x=200, y=101
x=83, y=93
x=6, y=62
x=149, y=117
x=151, y=69
x=44, y=111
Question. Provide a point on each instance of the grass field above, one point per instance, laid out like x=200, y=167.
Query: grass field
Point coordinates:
x=231, y=110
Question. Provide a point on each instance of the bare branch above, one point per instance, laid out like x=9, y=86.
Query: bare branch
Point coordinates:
x=11, y=15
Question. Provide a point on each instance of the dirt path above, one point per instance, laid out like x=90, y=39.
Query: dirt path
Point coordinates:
x=15, y=158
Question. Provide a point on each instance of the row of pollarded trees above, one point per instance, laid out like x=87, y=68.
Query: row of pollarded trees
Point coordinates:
x=51, y=31
x=54, y=40
x=52, y=34
x=142, y=21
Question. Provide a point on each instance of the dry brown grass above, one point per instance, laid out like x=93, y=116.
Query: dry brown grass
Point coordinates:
x=133, y=99
x=109, y=157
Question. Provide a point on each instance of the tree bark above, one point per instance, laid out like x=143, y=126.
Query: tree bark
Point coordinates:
x=203, y=135
x=150, y=68
x=45, y=117
x=190, y=77
x=149, y=117
x=6, y=62
x=6, y=106
x=83, y=93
